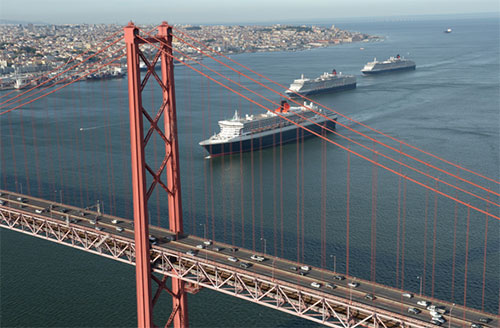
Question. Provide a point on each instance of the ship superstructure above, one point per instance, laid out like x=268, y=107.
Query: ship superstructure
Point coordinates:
x=390, y=65
x=327, y=82
x=252, y=132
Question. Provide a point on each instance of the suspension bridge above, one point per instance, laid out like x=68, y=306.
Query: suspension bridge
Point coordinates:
x=257, y=202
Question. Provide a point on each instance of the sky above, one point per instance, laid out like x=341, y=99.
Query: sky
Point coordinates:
x=228, y=11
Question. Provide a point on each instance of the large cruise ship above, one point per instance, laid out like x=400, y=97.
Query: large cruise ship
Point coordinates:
x=254, y=132
x=390, y=65
x=328, y=82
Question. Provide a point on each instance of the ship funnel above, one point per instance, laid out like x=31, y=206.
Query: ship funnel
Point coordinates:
x=284, y=107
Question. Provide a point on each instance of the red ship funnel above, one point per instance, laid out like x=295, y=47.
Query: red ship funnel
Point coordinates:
x=284, y=107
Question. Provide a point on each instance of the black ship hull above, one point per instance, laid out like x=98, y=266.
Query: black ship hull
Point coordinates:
x=321, y=91
x=390, y=70
x=260, y=141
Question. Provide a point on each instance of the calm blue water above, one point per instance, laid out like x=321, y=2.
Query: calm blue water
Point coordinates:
x=449, y=106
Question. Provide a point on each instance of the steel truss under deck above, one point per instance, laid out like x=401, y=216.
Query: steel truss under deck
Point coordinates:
x=197, y=272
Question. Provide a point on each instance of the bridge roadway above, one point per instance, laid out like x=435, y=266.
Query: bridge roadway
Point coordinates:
x=281, y=287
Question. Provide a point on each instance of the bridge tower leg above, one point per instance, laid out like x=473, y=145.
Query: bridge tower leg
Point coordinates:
x=138, y=143
x=179, y=298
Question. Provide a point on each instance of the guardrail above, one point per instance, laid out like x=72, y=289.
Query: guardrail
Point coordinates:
x=310, y=304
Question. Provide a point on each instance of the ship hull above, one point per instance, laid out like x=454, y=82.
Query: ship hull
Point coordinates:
x=389, y=70
x=263, y=140
x=320, y=91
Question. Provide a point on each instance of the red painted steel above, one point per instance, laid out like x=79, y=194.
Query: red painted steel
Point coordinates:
x=179, y=297
x=143, y=266
x=170, y=165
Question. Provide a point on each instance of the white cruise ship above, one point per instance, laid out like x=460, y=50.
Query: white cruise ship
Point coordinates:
x=390, y=65
x=328, y=82
x=253, y=132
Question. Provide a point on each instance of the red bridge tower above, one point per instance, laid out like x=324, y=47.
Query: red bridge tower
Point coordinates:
x=169, y=165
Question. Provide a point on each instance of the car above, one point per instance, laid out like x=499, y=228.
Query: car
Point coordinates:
x=98, y=228
x=207, y=242
x=81, y=213
x=257, y=258
x=423, y=303
x=484, y=320
x=245, y=265
x=170, y=238
x=476, y=325
x=217, y=249
x=21, y=199
x=370, y=297
x=92, y=222
x=435, y=322
x=331, y=286
x=315, y=284
x=64, y=210
x=305, y=268
x=232, y=259
x=407, y=295
x=152, y=238
x=114, y=221
x=435, y=314
x=119, y=229
x=293, y=268
x=39, y=211
x=192, y=252
x=73, y=221
x=413, y=310
x=353, y=284
x=338, y=277
x=233, y=249
x=431, y=307
x=1, y=202
x=200, y=246
x=302, y=273
x=440, y=320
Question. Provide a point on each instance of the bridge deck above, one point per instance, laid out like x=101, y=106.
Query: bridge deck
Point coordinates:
x=271, y=282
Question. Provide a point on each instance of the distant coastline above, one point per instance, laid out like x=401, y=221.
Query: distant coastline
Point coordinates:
x=29, y=51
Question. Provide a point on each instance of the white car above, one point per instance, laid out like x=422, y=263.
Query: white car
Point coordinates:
x=407, y=295
x=353, y=284
x=114, y=221
x=413, y=310
x=232, y=259
x=200, y=246
x=423, y=303
x=435, y=314
x=207, y=242
x=119, y=229
x=440, y=320
x=315, y=284
x=39, y=210
x=305, y=268
x=257, y=258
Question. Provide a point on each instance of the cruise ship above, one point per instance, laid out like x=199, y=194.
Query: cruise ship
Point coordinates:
x=391, y=65
x=253, y=132
x=328, y=82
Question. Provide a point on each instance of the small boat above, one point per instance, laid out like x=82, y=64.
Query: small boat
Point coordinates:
x=447, y=30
